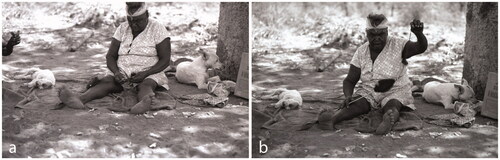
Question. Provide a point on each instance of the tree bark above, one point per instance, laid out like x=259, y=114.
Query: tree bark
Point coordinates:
x=233, y=37
x=346, y=8
x=481, y=45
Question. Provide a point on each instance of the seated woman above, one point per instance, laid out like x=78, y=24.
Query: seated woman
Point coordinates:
x=380, y=64
x=139, y=52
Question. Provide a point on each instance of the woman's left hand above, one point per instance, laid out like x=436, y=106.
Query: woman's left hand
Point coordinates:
x=138, y=77
x=416, y=26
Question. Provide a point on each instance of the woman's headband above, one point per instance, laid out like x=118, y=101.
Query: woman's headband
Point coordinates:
x=376, y=21
x=141, y=10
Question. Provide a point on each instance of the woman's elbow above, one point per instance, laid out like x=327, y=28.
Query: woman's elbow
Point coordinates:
x=423, y=48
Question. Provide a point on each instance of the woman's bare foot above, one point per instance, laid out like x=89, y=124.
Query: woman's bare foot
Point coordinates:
x=143, y=106
x=69, y=99
x=389, y=119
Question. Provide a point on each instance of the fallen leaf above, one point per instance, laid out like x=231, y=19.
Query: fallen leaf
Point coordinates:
x=129, y=145
x=401, y=156
x=154, y=135
x=16, y=118
x=148, y=116
x=325, y=155
x=349, y=148
x=188, y=114
x=103, y=127
x=152, y=145
x=435, y=134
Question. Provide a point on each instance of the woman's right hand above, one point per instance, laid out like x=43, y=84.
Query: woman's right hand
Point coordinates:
x=120, y=77
x=346, y=102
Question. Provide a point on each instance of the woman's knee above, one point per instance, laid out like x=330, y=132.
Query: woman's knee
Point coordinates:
x=362, y=104
x=108, y=78
x=393, y=103
x=109, y=84
x=359, y=107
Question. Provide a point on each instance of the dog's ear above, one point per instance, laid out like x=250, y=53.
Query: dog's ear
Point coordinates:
x=278, y=91
x=204, y=54
x=460, y=89
x=464, y=82
x=31, y=71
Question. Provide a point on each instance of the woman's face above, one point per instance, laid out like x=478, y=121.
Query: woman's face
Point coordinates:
x=377, y=38
x=138, y=23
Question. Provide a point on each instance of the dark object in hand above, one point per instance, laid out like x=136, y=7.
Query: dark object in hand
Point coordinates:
x=384, y=85
x=416, y=26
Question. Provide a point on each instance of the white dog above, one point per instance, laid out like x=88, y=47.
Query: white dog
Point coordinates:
x=447, y=93
x=196, y=72
x=288, y=99
x=41, y=78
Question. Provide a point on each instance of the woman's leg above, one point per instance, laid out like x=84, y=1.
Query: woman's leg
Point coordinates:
x=146, y=87
x=106, y=86
x=357, y=108
x=145, y=96
x=391, y=115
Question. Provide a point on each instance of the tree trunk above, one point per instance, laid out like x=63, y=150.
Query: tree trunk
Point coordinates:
x=232, y=38
x=346, y=8
x=481, y=45
x=392, y=9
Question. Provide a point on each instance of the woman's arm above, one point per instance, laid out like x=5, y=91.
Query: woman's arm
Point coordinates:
x=112, y=56
x=351, y=80
x=414, y=48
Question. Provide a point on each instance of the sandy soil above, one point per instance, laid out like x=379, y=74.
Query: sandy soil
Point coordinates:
x=187, y=131
x=284, y=69
x=49, y=31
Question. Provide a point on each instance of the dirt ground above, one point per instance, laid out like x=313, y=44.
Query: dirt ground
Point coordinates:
x=276, y=70
x=187, y=131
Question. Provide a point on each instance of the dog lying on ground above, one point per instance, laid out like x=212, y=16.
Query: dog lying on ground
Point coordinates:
x=196, y=72
x=41, y=78
x=288, y=99
x=447, y=93
x=173, y=64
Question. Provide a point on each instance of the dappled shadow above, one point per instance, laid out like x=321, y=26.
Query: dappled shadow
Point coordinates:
x=348, y=143
x=285, y=52
x=38, y=131
x=210, y=132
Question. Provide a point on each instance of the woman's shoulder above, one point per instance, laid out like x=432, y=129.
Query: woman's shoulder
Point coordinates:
x=363, y=47
x=123, y=25
x=397, y=40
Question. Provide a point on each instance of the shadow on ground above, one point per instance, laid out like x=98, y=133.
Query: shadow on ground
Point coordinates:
x=187, y=131
x=324, y=90
x=41, y=132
